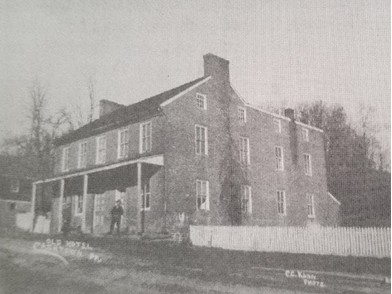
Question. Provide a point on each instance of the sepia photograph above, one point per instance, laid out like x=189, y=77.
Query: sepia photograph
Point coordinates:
x=221, y=146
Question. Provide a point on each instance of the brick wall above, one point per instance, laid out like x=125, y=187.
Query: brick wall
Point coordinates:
x=182, y=165
x=111, y=146
x=173, y=187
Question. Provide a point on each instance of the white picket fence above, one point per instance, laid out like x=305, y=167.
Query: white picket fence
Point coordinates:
x=343, y=241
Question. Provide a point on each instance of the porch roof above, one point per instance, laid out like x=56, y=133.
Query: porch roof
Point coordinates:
x=154, y=160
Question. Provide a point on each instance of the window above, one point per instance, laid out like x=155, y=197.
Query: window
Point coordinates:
x=308, y=164
x=101, y=150
x=310, y=199
x=244, y=151
x=99, y=220
x=66, y=201
x=14, y=188
x=120, y=195
x=123, y=144
x=246, y=200
x=201, y=138
x=82, y=160
x=305, y=134
x=146, y=195
x=66, y=159
x=279, y=158
x=277, y=126
x=79, y=204
x=242, y=114
x=12, y=206
x=201, y=101
x=145, y=137
x=99, y=202
x=281, y=202
x=202, y=195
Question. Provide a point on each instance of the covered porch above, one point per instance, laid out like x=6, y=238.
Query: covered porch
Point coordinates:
x=86, y=197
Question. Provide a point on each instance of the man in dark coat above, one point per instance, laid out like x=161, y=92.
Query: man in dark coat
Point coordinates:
x=117, y=211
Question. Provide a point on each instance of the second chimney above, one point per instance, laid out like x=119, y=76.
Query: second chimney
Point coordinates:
x=289, y=112
x=106, y=106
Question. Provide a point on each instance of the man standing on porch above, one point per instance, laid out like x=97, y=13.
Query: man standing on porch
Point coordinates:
x=117, y=211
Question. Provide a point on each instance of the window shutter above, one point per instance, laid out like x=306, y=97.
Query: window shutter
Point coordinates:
x=208, y=195
x=250, y=199
x=206, y=141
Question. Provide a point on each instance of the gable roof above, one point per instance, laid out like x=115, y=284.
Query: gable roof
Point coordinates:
x=16, y=167
x=133, y=113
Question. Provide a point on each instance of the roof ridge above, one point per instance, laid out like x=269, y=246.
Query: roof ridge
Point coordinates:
x=134, y=111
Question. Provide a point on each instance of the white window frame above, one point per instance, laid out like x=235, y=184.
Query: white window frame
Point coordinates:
x=146, y=194
x=242, y=114
x=244, y=151
x=308, y=167
x=277, y=123
x=82, y=164
x=79, y=200
x=14, y=185
x=120, y=195
x=310, y=205
x=200, y=195
x=99, y=220
x=65, y=159
x=98, y=160
x=198, y=141
x=279, y=161
x=246, y=193
x=201, y=97
x=142, y=137
x=99, y=203
x=305, y=134
x=123, y=146
x=67, y=200
x=282, y=194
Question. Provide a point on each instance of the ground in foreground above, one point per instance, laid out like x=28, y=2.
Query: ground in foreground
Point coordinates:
x=135, y=266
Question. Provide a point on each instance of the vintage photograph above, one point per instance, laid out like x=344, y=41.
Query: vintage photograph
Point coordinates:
x=195, y=146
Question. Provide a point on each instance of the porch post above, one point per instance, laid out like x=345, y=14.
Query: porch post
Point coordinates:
x=139, y=195
x=33, y=193
x=60, y=216
x=85, y=187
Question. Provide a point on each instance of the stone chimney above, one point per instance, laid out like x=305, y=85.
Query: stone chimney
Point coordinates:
x=289, y=112
x=106, y=106
x=216, y=66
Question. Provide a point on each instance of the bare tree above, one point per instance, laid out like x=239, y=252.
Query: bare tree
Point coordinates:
x=36, y=146
x=78, y=115
x=92, y=97
x=37, y=114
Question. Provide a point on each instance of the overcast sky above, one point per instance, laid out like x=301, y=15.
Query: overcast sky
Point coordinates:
x=283, y=52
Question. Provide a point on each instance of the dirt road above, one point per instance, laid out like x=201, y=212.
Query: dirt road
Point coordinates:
x=24, y=269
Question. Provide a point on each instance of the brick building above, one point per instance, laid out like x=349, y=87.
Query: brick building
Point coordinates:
x=196, y=154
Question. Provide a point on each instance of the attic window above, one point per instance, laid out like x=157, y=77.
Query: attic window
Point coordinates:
x=201, y=101
x=14, y=186
x=277, y=126
x=242, y=114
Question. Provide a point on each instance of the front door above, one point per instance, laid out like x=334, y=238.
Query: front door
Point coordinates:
x=101, y=218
